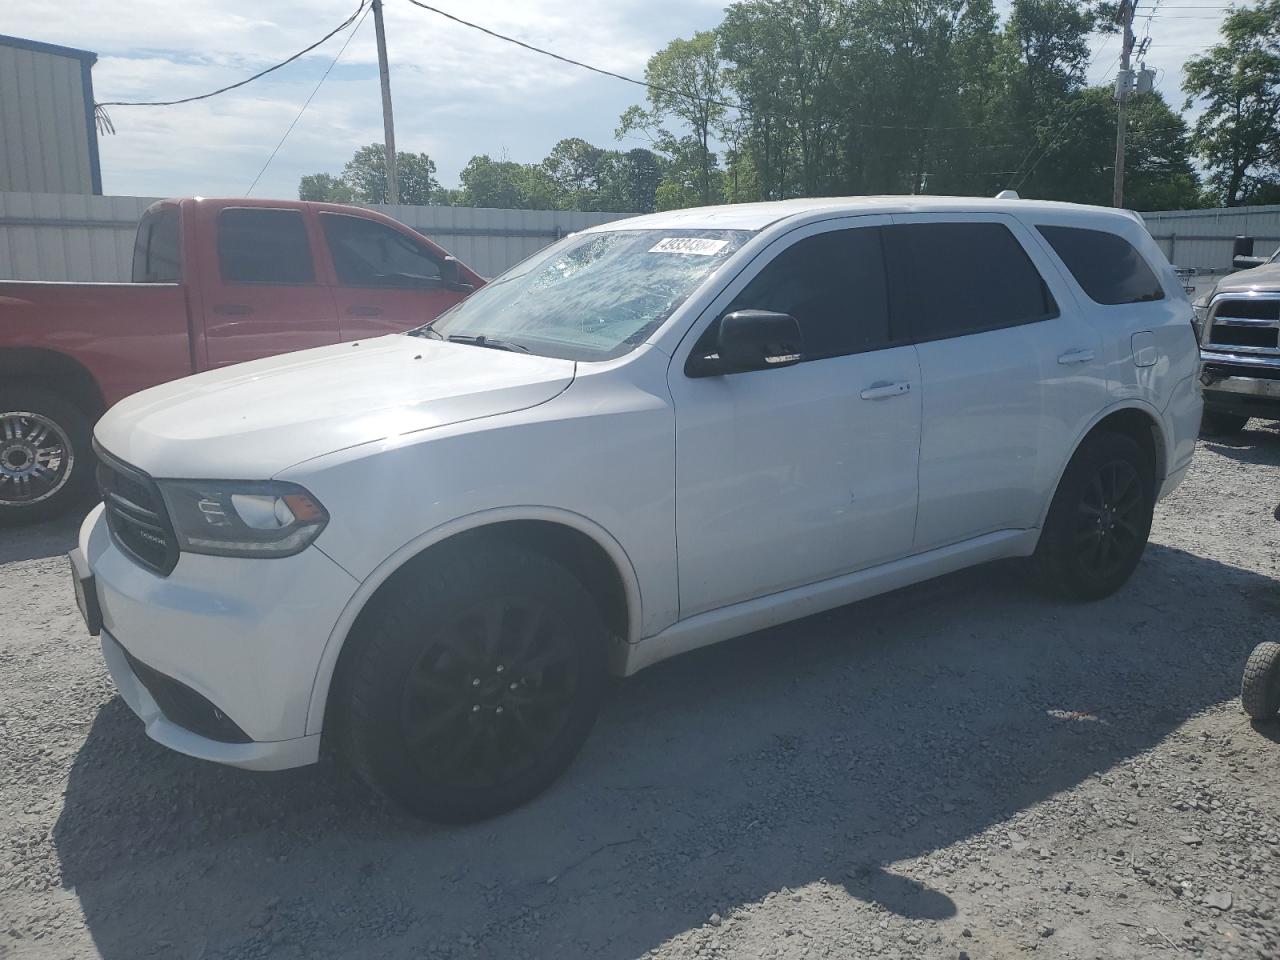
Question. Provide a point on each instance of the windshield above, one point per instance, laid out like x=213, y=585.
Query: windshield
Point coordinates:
x=592, y=296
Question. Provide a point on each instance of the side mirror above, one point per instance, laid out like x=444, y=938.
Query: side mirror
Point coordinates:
x=1247, y=263
x=451, y=276
x=758, y=340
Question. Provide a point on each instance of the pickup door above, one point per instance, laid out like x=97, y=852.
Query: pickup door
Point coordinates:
x=260, y=290
x=386, y=280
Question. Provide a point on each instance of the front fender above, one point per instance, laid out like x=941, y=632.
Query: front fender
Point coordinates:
x=338, y=635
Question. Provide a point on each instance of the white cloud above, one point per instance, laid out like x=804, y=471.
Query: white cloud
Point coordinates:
x=456, y=92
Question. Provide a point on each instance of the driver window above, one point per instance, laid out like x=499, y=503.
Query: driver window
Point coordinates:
x=833, y=284
x=370, y=254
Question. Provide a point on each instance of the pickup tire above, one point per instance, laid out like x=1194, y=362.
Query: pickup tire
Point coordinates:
x=473, y=684
x=1099, y=520
x=46, y=457
x=1260, y=688
x=1216, y=424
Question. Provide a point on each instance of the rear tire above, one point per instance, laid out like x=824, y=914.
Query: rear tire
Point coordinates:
x=474, y=683
x=46, y=457
x=1260, y=688
x=1099, y=521
x=1215, y=424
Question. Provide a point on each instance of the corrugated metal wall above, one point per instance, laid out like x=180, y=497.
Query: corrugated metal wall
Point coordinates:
x=46, y=139
x=1202, y=238
x=73, y=237
x=78, y=237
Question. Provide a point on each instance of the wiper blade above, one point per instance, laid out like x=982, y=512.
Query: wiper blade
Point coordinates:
x=427, y=331
x=480, y=340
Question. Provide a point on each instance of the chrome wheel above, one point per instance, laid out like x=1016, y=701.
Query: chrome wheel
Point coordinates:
x=490, y=692
x=36, y=458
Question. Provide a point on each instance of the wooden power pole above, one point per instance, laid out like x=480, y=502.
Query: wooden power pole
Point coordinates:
x=1123, y=84
x=388, y=124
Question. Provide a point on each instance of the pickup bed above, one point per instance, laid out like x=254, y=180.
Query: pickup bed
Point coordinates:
x=215, y=282
x=1239, y=324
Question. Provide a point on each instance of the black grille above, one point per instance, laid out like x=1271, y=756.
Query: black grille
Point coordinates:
x=136, y=514
x=1244, y=324
x=183, y=706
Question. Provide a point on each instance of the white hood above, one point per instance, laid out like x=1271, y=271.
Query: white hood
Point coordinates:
x=252, y=420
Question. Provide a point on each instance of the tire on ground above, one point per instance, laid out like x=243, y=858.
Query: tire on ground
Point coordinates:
x=1260, y=688
x=423, y=613
x=76, y=430
x=1066, y=558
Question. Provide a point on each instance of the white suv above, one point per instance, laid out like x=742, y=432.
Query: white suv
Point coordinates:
x=431, y=549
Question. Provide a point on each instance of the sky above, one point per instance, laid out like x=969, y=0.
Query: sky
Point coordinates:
x=456, y=92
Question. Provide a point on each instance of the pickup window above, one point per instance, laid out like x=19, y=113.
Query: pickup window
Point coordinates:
x=370, y=254
x=261, y=245
x=157, y=252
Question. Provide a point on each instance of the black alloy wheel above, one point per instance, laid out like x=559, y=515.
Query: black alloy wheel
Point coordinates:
x=492, y=690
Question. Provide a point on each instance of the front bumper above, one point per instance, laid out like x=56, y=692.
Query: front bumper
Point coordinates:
x=1243, y=392
x=244, y=636
x=271, y=755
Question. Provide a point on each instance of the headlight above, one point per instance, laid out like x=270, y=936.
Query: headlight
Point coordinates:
x=243, y=518
x=1200, y=313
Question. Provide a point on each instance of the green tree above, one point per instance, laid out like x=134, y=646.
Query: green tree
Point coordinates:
x=506, y=184
x=686, y=79
x=323, y=186
x=366, y=172
x=1238, y=83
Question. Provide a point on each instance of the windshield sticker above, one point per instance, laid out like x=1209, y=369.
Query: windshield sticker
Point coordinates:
x=698, y=246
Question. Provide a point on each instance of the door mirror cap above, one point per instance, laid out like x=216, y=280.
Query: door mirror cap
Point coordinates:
x=758, y=340
x=1247, y=263
x=452, y=278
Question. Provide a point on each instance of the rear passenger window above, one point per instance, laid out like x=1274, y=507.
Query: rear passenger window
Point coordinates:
x=834, y=285
x=157, y=251
x=952, y=279
x=261, y=245
x=1107, y=266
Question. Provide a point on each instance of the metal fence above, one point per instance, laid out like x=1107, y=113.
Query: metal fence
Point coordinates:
x=51, y=236
x=1202, y=238
x=46, y=236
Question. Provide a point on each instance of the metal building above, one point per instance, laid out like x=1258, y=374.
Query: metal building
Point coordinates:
x=48, y=139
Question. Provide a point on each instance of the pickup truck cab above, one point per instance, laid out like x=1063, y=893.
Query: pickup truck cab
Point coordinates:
x=215, y=282
x=1239, y=326
x=653, y=435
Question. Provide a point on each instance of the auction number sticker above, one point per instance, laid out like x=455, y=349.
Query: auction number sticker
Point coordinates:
x=698, y=246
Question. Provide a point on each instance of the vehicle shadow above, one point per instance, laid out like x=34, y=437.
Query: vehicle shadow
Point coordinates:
x=1258, y=443
x=828, y=749
x=40, y=540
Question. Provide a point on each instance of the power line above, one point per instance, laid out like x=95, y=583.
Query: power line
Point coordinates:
x=316, y=89
x=213, y=93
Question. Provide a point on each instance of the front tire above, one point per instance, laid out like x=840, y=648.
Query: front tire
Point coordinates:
x=1099, y=521
x=1216, y=424
x=474, y=683
x=46, y=459
x=1260, y=688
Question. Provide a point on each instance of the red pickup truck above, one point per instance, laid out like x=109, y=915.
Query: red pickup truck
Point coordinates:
x=214, y=282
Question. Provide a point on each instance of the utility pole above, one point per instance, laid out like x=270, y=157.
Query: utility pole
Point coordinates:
x=1123, y=83
x=388, y=124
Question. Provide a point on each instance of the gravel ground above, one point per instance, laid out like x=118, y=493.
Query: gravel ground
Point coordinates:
x=957, y=770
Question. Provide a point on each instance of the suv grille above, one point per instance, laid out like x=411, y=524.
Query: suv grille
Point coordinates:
x=1239, y=323
x=136, y=515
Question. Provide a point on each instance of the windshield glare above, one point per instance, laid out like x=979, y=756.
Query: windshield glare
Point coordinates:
x=592, y=296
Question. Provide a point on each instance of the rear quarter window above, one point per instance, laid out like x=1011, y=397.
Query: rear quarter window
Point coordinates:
x=1107, y=266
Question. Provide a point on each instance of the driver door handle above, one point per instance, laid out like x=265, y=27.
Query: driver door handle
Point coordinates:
x=883, y=391
x=1075, y=356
